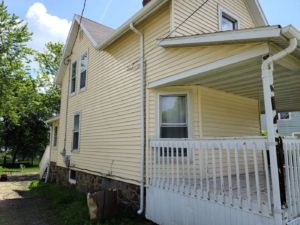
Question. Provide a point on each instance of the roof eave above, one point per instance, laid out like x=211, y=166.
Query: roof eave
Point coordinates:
x=257, y=13
x=137, y=18
x=255, y=34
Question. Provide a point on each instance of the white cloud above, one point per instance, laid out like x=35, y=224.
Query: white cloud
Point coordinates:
x=45, y=27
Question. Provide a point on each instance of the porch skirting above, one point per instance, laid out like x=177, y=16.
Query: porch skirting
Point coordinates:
x=128, y=194
x=177, y=209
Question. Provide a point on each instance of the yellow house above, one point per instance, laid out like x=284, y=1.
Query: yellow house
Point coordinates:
x=166, y=109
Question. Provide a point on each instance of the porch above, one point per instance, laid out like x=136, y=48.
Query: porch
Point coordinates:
x=230, y=179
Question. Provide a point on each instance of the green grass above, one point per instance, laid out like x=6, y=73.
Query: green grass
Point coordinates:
x=71, y=208
x=19, y=170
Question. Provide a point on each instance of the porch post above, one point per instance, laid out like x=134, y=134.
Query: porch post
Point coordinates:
x=273, y=137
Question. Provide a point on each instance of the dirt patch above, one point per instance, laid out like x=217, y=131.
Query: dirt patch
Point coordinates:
x=18, y=208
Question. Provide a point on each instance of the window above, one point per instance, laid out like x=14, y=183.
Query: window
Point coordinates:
x=284, y=116
x=228, y=21
x=83, y=70
x=55, y=136
x=73, y=77
x=173, y=116
x=76, y=127
x=72, y=176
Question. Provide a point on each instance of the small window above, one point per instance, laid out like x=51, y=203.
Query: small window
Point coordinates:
x=83, y=70
x=284, y=116
x=76, y=127
x=55, y=136
x=173, y=116
x=73, y=77
x=228, y=22
x=72, y=176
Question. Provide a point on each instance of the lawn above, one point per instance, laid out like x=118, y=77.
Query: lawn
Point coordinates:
x=71, y=208
x=32, y=169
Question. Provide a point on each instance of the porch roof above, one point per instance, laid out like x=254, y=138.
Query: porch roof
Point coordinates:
x=241, y=74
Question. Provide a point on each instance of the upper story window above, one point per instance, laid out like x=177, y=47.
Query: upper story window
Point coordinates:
x=173, y=116
x=73, y=77
x=227, y=21
x=83, y=70
x=76, y=129
x=284, y=116
x=55, y=136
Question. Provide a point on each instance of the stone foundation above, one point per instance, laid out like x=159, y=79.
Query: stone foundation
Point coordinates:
x=128, y=194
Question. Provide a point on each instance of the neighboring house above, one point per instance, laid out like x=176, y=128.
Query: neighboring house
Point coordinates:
x=170, y=104
x=288, y=124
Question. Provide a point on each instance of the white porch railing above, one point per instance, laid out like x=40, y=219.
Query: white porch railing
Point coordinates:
x=45, y=161
x=291, y=148
x=230, y=171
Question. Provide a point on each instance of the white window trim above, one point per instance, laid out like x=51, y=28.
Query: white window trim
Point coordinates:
x=290, y=117
x=222, y=10
x=189, y=111
x=72, y=181
x=73, y=116
x=79, y=72
x=76, y=77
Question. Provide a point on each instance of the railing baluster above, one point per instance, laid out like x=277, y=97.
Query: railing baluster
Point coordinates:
x=172, y=163
x=222, y=191
x=237, y=171
x=155, y=165
x=163, y=165
x=188, y=167
x=200, y=151
x=294, y=153
x=207, y=170
x=229, y=172
x=256, y=172
x=194, y=169
x=182, y=167
x=151, y=165
x=248, y=189
x=214, y=172
x=177, y=168
x=168, y=166
x=292, y=179
x=267, y=176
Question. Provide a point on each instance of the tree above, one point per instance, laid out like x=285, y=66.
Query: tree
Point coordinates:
x=49, y=62
x=13, y=62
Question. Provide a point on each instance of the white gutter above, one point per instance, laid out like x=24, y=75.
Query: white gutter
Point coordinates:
x=142, y=89
x=270, y=109
x=138, y=17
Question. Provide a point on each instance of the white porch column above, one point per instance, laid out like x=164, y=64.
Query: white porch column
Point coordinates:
x=271, y=119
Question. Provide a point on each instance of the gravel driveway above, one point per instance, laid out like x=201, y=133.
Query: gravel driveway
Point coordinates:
x=18, y=208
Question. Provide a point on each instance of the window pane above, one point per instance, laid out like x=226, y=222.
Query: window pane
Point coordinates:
x=55, y=137
x=75, y=140
x=284, y=115
x=173, y=109
x=73, y=80
x=174, y=132
x=83, y=62
x=227, y=24
x=82, y=79
x=76, y=123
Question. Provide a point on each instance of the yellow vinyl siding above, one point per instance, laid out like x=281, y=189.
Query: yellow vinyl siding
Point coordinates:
x=109, y=112
x=206, y=20
x=110, y=106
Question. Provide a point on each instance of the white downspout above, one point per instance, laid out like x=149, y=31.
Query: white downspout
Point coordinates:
x=142, y=89
x=270, y=110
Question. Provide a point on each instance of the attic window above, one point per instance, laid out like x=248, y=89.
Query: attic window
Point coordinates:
x=227, y=21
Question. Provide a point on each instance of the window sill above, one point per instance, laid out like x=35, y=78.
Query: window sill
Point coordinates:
x=82, y=90
x=75, y=151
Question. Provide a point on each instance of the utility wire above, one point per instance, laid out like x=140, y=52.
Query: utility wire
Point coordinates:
x=81, y=15
x=172, y=31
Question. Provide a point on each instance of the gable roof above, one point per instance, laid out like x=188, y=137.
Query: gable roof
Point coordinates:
x=96, y=33
x=102, y=36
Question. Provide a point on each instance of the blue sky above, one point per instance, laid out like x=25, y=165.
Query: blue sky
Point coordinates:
x=50, y=19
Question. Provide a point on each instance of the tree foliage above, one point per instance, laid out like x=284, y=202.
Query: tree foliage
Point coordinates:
x=26, y=102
